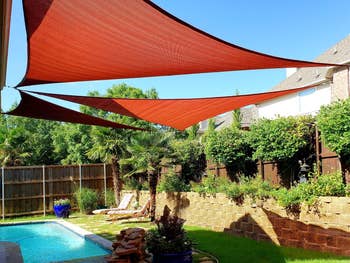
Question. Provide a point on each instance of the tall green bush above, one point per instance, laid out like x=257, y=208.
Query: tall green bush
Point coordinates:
x=319, y=185
x=334, y=124
x=171, y=182
x=190, y=155
x=231, y=147
x=284, y=140
x=87, y=200
x=211, y=185
x=110, y=198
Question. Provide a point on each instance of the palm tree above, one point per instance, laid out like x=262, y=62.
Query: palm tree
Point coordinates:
x=147, y=150
x=109, y=145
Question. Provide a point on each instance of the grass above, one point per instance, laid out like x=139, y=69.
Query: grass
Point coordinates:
x=228, y=248
x=225, y=247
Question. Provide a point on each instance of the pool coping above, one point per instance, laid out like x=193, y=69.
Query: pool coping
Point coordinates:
x=104, y=243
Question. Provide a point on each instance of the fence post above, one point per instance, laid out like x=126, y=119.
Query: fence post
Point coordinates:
x=44, y=191
x=80, y=177
x=105, y=182
x=3, y=191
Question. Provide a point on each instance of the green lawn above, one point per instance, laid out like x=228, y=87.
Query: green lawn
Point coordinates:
x=226, y=248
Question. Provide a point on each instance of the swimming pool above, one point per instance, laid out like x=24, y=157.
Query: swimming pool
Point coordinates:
x=49, y=241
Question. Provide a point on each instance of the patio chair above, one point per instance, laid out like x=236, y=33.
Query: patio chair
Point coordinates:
x=143, y=211
x=122, y=205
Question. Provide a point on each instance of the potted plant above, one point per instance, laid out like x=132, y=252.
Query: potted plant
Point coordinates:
x=168, y=242
x=61, y=207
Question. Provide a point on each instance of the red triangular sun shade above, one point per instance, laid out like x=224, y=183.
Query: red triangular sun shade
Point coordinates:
x=176, y=113
x=33, y=107
x=80, y=40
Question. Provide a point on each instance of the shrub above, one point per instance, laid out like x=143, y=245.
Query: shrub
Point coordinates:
x=110, y=198
x=328, y=185
x=132, y=183
x=255, y=188
x=62, y=201
x=280, y=139
x=171, y=182
x=333, y=122
x=347, y=190
x=231, y=147
x=169, y=236
x=190, y=155
x=321, y=185
x=234, y=192
x=87, y=200
x=212, y=185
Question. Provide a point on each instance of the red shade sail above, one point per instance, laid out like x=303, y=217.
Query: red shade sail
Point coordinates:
x=176, y=113
x=33, y=107
x=79, y=40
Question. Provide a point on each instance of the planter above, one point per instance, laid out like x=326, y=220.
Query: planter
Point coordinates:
x=61, y=210
x=184, y=257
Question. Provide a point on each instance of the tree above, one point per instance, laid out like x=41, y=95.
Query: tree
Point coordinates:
x=190, y=155
x=72, y=142
x=236, y=119
x=109, y=145
x=334, y=124
x=193, y=131
x=26, y=141
x=230, y=146
x=210, y=131
x=147, y=149
x=12, y=152
x=284, y=140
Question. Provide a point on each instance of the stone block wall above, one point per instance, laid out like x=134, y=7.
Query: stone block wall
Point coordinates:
x=323, y=227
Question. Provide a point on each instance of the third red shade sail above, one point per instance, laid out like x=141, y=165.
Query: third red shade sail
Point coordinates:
x=176, y=113
x=33, y=107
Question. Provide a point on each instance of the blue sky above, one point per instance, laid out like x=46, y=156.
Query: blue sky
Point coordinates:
x=295, y=29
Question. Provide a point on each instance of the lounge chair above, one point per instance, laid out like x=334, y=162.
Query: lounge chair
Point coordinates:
x=122, y=205
x=115, y=215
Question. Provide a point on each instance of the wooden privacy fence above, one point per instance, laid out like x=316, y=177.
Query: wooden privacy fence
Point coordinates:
x=33, y=189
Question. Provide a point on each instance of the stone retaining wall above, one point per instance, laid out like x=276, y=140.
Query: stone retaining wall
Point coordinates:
x=325, y=227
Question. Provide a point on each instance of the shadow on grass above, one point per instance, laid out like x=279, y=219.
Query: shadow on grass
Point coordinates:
x=228, y=248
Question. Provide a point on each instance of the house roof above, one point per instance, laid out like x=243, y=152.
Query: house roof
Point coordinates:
x=338, y=54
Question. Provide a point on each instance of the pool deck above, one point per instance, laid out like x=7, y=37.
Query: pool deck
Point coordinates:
x=84, y=233
x=10, y=253
x=85, y=260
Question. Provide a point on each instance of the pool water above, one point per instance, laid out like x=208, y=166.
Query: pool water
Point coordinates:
x=48, y=242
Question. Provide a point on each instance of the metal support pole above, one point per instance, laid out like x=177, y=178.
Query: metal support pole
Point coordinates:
x=80, y=177
x=5, y=18
x=44, y=191
x=3, y=191
x=105, y=182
